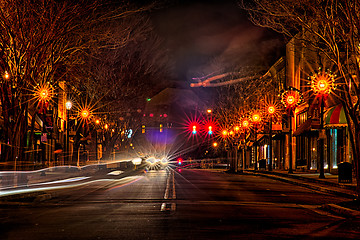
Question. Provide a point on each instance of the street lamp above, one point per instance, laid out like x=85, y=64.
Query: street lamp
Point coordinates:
x=291, y=98
x=256, y=118
x=245, y=124
x=68, y=106
x=271, y=110
x=322, y=84
x=97, y=122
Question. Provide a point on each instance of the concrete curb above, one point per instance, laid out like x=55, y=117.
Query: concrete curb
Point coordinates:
x=302, y=183
x=341, y=211
x=332, y=208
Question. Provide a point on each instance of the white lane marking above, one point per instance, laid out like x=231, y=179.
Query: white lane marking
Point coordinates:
x=167, y=195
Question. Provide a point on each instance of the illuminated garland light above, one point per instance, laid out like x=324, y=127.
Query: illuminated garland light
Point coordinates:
x=322, y=82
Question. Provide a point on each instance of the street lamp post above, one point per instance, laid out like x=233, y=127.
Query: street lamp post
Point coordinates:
x=291, y=98
x=245, y=125
x=97, y=121
x=85, y=115
x=271, y=110
x=68, y=106
x=256, y=118
x=322, y=84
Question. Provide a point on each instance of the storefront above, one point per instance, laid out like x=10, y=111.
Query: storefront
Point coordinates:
x=337, y=144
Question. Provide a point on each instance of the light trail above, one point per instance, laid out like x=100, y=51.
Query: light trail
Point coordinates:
x=122, y=181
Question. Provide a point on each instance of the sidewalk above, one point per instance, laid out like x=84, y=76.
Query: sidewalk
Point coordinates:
x=330, y=185
x=311, y=180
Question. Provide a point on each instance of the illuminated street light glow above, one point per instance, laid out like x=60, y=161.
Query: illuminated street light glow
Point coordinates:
x=210, y=130
x=68, y=105
x=245, y=123
x=271, y=109
x=290, y=100
x=97, y=121
x=322, y=82
x=209, y=111
x=6, y=75
x=215, y=144
x=291, y=97
x=256, y=117
x=106, y=126
x=85, y=113
x=224, y=133
x=237, y=128
x=194, y=129
x=43, y=92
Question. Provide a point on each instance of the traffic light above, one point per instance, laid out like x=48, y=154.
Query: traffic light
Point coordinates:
x=194, y=129
x=210, y=128
x=179, y=161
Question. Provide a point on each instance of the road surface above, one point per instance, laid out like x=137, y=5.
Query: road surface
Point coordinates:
x=173, y=204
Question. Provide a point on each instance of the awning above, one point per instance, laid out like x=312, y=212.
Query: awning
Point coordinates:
x=306, y=127
x=335, y=117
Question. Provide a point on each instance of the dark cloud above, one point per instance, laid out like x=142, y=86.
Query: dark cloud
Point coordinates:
x=198, y=31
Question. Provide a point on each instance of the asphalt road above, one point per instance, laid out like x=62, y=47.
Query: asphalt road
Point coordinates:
x=191, y=204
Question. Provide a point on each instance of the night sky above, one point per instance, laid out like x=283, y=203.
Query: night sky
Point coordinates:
x=197, y=32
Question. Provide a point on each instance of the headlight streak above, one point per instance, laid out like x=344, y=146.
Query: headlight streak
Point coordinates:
x=29, y=190
x=135, y=179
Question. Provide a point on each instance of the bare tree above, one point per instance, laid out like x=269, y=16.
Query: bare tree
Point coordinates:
x=43, y=42
x=332, y=29
x=121, y=78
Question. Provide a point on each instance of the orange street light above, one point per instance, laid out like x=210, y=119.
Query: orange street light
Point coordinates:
x=44, y=94
x=209, y=111
x=271, y=109
x=106, y=126
x=245, y=123
x=97, y=121
x=224, y=133
x=322, y=83
x=215, y=144
x=256, y=118
x=6, y=75
x=85, y=113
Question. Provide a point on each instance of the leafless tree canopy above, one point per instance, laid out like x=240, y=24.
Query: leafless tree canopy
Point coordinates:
x=331, y=27
x=48, y=41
